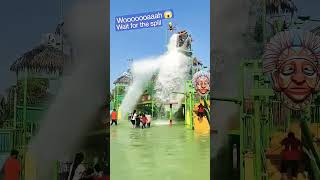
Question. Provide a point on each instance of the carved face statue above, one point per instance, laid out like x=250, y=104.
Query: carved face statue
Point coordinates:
x=203, y=85
x=201, y=82
x=297, y=79
x=294, y=67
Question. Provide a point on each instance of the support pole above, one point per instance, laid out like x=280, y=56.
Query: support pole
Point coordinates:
x=241, y=94
x=15, y=108
x=171, y=113
x=264, y=22
x=191, y=109
x=56, y=170
x=185, y=103
x=24, y=121
x=257, y=139
x=152, y=107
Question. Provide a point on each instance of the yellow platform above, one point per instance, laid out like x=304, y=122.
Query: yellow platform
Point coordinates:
x=200, y=126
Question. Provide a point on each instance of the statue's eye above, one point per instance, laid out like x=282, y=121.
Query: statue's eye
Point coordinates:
x=308, y=70
x=287, y=70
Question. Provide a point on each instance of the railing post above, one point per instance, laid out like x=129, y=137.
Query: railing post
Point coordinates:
x=56, y=170
x=241, y=95
x=24, y=121
x=257, y=135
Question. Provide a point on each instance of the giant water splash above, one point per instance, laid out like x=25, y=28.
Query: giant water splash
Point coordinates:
x=82, y=93
x=173, y=72
x=171, y=69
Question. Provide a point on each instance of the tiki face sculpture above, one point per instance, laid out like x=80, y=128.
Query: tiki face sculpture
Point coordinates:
x=201, y=82
x=292, y=61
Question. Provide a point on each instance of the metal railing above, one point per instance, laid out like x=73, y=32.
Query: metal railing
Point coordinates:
x=248, y=134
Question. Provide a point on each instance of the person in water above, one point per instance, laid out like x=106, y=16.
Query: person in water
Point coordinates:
x=138, y=120
x=129, y=116
x=291, y=156
x=98, y=172
x=133, y=118
x=200, y=111
x=149, y=121
x=144, y=121
x=114, y=117
x=77, y=170
x=11, y=168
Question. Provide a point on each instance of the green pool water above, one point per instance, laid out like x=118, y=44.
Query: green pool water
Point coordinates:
x=158, y=153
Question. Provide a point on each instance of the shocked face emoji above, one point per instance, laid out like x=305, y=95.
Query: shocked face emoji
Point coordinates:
x=167, y=14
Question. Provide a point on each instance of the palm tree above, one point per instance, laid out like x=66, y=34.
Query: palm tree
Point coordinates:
x=280, y=6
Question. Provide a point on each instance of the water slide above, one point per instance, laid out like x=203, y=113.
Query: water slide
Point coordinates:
x=200, y=126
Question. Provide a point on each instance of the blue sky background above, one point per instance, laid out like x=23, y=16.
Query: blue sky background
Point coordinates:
x=309, y=8
x=194, y=16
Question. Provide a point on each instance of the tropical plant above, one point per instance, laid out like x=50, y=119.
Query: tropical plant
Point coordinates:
x=281, y=6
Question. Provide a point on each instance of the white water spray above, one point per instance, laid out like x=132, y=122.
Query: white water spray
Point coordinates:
x=172, y=67
x=142, y=72
x=172, y=75
x=82, y=93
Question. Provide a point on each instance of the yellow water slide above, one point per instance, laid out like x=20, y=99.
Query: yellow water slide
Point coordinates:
x=201, y=126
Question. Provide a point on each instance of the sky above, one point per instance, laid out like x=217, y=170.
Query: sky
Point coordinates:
x=22, y=25
x=308, y=8
x=194, y=16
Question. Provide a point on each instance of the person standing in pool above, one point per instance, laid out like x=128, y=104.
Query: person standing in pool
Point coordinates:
x=143, y=121
x=138, y=120
x=77, y=170
x=133, y=118
x=200, y=111
x=11, y=168
x=114, y=117
x=291, y=156
x=148, y=120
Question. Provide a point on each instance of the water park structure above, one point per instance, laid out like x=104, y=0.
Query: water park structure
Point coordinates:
x=264, y=122
x=275, y=100
x=168, y=89
x=169, y=110
x=267, y=107
x=39, y=76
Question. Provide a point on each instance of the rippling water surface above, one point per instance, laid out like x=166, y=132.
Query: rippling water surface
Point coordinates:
x=159, y=153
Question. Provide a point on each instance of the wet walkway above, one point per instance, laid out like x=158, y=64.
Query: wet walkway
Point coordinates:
x=158, y=153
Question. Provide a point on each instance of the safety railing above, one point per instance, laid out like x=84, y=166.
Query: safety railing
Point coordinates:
x=279, y=119
x=264, y=170
x=5, y=141
x=7, y=124
x=248, y=134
